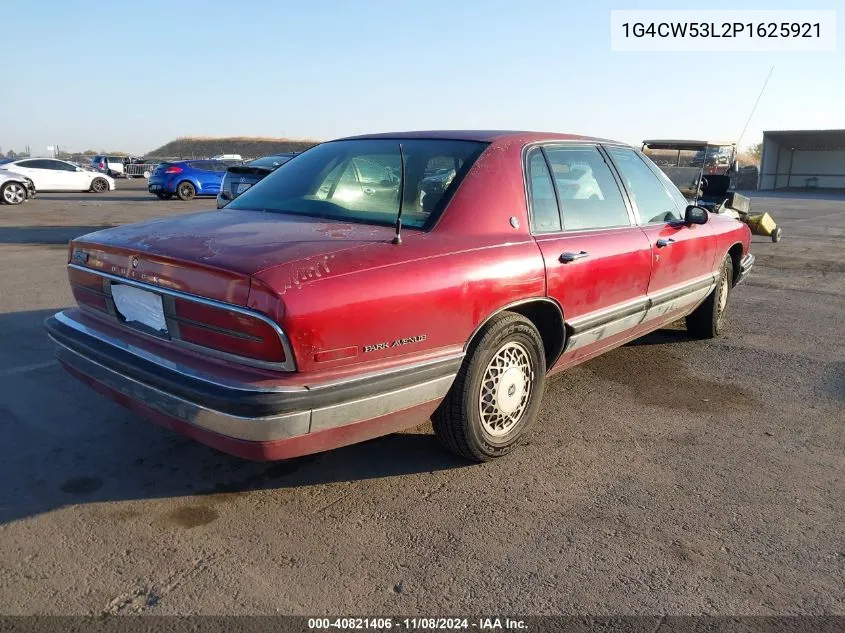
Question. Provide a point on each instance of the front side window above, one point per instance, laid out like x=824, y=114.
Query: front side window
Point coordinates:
x=588, y=195
x=648, y=192
x=360, y=180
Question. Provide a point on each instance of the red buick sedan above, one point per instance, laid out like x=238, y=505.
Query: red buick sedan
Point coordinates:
x=378, y=281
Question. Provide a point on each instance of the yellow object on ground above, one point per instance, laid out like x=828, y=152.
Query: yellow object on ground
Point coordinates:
x=761, y=224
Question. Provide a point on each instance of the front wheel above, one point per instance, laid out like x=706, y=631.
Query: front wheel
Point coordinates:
x=777, y=234
x=708, y=319
x=13, y=193
x=186, y=191
x=99, y=185
x=497, y=392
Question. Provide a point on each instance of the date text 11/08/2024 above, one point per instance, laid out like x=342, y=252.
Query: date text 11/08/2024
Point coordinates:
x=483, y=624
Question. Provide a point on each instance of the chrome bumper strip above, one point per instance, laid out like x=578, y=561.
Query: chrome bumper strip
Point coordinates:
x=601, y=324
x=257, y=429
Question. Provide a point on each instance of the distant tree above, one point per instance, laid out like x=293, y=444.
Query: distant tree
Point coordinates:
x=751, y=154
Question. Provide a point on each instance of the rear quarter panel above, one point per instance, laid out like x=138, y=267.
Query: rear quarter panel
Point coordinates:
x=430, y=293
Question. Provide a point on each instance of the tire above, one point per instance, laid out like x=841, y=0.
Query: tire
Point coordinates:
x=489, y=374
x=777, y=234
x=708, y=319
x=13, y=193
x=185, y=190
x=99, y=185
x=164, y=196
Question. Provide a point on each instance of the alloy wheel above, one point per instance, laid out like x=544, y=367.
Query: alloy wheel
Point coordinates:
x=14, y=193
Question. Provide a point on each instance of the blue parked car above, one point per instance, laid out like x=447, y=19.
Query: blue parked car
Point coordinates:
x=186, y=179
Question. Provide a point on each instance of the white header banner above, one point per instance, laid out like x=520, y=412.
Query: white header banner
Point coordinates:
x=723, y=30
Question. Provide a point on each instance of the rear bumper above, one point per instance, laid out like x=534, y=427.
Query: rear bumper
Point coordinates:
x=161, y=187
x=745, y=267
x=251, y=421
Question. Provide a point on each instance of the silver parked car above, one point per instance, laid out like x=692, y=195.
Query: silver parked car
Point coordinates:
x=15, y=188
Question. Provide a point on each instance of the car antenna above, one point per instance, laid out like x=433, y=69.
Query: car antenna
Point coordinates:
x=397, y=239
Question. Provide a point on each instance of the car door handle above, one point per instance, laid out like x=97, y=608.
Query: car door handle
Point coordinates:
x=664, y=241
x=369, y=191
x=567, y=257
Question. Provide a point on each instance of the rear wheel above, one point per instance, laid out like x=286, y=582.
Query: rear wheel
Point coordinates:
x=13, y=193
x=99, y=185
x=164, y=196
x=497, y=392
x=186, y=191
x=708, y=319
x=776, y=234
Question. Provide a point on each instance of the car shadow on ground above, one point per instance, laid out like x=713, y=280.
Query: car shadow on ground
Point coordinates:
x=676, y=333
x=61, y=443
x=104, y=198
x=50, y=235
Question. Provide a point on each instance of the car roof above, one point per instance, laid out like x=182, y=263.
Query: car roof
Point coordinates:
x=486, y=136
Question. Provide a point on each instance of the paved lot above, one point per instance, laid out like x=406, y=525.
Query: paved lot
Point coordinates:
x=669, y=476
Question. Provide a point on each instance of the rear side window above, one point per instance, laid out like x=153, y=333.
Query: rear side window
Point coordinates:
x=38, y=164
x=653, y=200
x=588, y=195
x=199, y=166
x=544, y=211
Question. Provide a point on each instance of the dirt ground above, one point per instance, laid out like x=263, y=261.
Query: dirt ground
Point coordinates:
x=669, y=476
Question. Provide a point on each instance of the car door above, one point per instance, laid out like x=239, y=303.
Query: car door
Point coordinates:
x=598, y=262
x=682, y=256
x=41, y=172
x=68, y=177
x=216, y=178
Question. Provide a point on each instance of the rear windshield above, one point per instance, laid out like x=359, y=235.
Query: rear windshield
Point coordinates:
x=270, y=161
x=360, y=181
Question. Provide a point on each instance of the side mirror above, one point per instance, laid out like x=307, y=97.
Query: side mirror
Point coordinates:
x=695, y=215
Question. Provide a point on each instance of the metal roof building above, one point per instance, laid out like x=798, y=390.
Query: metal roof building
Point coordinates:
x=803, y=159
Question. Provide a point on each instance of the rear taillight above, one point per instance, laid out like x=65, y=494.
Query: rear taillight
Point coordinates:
x=173, y=170
x=87, y=290
x=228, y=331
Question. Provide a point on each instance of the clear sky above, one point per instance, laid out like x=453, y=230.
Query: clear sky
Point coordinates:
x=133, y=75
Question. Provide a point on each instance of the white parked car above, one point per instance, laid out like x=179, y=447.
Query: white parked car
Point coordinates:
x=50, y=174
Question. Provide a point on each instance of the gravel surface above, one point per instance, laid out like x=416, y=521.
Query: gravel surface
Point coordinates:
x=668, y=476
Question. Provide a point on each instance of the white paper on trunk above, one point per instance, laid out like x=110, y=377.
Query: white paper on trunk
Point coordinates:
x=139, y=305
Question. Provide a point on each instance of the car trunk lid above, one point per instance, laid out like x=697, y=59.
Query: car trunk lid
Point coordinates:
x=215, y=254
